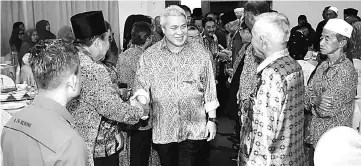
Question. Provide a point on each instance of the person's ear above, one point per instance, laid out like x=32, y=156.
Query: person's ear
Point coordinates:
x=342, y=43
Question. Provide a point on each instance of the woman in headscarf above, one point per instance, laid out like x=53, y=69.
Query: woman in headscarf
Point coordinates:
x=19, y=25
x=99, y=101
x=15, y=40
x=65, y=33
x=128, y=27
x=43, y=29
x=30, y=39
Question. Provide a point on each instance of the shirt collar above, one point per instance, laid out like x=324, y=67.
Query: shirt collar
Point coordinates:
x=163, y=45
x=272, y=58
x=53, y=106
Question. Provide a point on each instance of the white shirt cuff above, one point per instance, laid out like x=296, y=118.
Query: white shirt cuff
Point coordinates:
x=210, y=106
x=141, y=92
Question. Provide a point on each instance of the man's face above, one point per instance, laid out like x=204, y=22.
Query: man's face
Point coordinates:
x=210, y=28
x=329, y=43
x=257, y=45
x=239, y=14
x=232, y=26
x=193, y=36
x=249, y=19
x=175, y=30
x=331, y=14
x=198, y=24
x=189, y=18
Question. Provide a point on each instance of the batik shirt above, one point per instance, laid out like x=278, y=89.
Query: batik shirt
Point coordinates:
x=211, y=43
x=182, y=88
x=356, y=40
x=97, y=99
x=105, y=143
x=277, y=121
x=338, y=81
x=127, y=67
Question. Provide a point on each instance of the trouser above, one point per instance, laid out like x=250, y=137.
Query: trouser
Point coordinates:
x=112, y=160
x=238, y=129
x=140, y=145
x=185, y=153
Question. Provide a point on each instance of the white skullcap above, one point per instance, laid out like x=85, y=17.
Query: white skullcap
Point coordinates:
x=339, y=26
x=333, y=9
x=238, y=10
x=339, y=146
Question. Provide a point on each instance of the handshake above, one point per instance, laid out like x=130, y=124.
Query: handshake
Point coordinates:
x=141, y=102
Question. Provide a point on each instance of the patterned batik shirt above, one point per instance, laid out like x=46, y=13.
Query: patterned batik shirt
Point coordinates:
x=105, y=143
x=248, y=78
x=277, y=121
x=182, y=88
x=97, y=99
x=356, y=40
x=338, y=81
x=127, y=65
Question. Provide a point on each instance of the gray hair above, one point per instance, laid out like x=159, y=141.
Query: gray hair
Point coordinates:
x=274, y=25
x=172, y=10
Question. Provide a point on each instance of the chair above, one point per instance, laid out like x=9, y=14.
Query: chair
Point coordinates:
x=6, y=81
x=307, y=69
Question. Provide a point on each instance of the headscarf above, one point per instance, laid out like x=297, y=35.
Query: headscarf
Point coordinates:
x=17, y=25
x=66, y=33
x=42, y=32
x=15, y=40
x=339, y=146
x=129, y=25
x=27, y=45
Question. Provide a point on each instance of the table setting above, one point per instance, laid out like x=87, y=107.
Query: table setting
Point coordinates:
x=14, y=97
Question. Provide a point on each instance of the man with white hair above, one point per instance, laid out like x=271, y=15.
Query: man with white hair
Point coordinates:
x=339, y=146
x=276, y=107
x=330, y=94
x=176, y=77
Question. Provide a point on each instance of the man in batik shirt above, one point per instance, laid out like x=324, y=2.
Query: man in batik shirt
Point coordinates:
x=276, y=136
x=176, y=77
x=330, y=95
x=141, y=134
x=350, y=16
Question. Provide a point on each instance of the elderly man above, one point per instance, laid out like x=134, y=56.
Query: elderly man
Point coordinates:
x=43, y=132
x=330, y=94
x=176, y=76
x=276, y=107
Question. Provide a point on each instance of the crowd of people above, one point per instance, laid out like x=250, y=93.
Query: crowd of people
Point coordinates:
x=156, y=100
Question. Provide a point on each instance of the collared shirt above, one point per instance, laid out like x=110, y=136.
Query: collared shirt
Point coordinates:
x=355, y=47
x=127, y=67
x=277, y=124
x=98, y=98
x=182, y=89
x=211, y=43
x=42, y=134
x=338, y=81
x=248, y=78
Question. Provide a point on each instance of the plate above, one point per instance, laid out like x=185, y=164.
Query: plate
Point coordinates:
x=12, y=106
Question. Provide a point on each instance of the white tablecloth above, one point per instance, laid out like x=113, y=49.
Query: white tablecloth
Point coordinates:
x=356, y=121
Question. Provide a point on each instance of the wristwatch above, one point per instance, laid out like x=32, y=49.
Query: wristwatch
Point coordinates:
x=213, y=120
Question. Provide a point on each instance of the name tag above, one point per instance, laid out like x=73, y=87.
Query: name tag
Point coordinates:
x=22, y=122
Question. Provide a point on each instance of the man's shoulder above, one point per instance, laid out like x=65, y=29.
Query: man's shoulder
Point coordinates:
x=43, y=126
x=283, y=67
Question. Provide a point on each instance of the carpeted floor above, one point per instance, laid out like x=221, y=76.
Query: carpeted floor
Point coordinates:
x=221, y=148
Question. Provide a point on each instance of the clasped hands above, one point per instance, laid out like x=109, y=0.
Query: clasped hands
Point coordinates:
x=140, y=102
x=225, y=55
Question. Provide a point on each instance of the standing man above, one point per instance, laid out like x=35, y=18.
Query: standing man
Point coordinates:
x=176, y=77
x=328, y=13
x=354, y=48
x=276, y=110
x=43, y=134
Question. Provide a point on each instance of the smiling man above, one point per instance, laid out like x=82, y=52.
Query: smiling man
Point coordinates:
x=176, y=77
